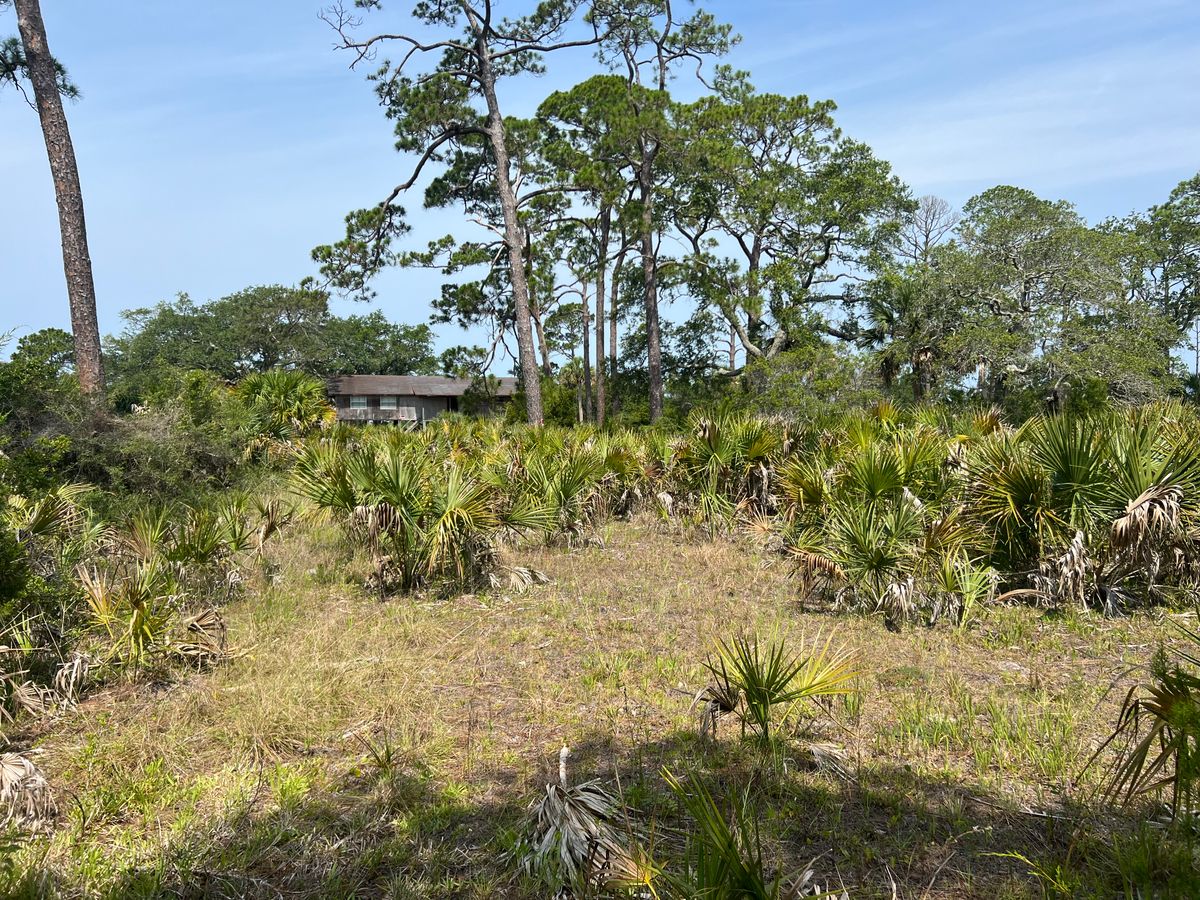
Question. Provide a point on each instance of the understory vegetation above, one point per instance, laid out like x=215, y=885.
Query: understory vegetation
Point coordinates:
x=909, y=652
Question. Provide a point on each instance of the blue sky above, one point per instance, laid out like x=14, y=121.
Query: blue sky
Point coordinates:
x=219, y=142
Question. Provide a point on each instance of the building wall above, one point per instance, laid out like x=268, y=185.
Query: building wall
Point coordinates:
x=426, y=408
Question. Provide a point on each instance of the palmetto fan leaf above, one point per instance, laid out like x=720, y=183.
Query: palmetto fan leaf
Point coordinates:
x=320, y=473
x=873, y=475
x=50, y=516
x=1011, y=494
x=919, y=453
x=804, y=485
x=870, y=548
x=770, y=676
x=1160, y=724
x=461, y=518
x=1074, y=454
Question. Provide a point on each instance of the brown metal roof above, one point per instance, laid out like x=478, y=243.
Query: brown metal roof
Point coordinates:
x=410, y=386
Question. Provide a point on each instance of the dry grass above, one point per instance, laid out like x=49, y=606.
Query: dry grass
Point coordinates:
x=360, y=748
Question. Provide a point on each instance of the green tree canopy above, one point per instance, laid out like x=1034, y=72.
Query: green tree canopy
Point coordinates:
x=258, y=329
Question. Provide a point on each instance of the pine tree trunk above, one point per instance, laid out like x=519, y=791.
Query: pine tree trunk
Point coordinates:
x=539, y=331
x=587, y=356
x=513, y=237
x=614, y=307
x=650, y=273
x=602, y=259
x=77, y=263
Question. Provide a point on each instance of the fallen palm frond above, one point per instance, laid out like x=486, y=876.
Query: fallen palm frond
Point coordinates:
x=204, y=638
x=574, y=839
x=828, y=758
x=25, y=795
x=517, y=578
x=33, y=698
x=38, y=700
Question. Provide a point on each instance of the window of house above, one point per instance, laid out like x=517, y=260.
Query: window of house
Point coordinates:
x=358, y=402
x=387, y=402
x=408, y=413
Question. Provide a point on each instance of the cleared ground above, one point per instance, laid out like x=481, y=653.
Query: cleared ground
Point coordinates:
x=367, y=748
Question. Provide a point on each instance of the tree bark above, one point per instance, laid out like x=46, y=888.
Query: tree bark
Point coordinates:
x=513, y=236
x=77, y=262
x=614, y=305
x=535, y=313
x=601, y=279
x=587, y=355
x=650, y=273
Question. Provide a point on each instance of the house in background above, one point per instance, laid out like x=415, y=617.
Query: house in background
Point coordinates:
x=404, y=399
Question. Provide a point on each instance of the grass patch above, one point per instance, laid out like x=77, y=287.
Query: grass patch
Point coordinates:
x=367, y=748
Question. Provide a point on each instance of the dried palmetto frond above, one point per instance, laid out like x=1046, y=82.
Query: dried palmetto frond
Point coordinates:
x=828, y=758
x=1150, y=521
x=375, y=520
x=810, y=565
x=897, y=602
x=25, y=795
x=573, y=838
x=1065, y=578
x=517, y=578
x=955, y=462
x=274, y=515
x=806, y=885
x=205, y=637
x=33, y=698
x=1153, y=514
x=70, y=676
x=763, y=527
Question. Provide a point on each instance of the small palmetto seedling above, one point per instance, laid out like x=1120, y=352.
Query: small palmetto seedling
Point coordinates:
x=135, y=606
x=719, y=698
x=1161, y=725
x=770, y=677
x=725, y=854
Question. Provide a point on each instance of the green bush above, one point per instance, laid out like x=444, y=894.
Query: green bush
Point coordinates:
x=14, y=573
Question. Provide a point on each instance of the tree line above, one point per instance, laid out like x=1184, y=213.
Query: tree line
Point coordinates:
x=781, y=239
x=793, y=260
